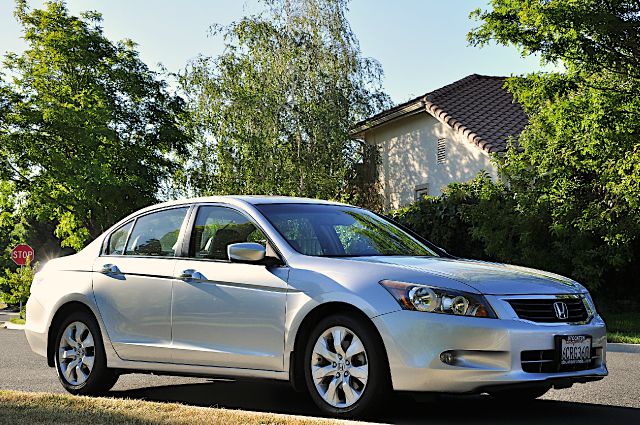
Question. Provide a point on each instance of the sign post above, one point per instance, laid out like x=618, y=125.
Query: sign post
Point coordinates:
x=22, y=255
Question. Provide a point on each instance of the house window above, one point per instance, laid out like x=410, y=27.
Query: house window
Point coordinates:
x=441, y=155
x=421, y=191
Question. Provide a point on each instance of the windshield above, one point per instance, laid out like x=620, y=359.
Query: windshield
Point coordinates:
x=340, y=231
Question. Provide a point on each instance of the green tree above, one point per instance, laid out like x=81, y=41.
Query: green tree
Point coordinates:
x=18, y=286
x=272, y=113
x=11, y=226
x=87, y=130
x=585, y=35
x=578, y=161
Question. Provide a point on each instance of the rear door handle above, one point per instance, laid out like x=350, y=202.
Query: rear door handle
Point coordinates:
x=110, y=269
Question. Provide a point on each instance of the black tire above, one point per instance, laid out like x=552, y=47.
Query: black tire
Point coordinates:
x=101, y=379
x=520, y=394
x=378, y=383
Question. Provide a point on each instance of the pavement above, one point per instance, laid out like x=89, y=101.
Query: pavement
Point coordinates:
x=6, y=315
x=616, y=399
x=623, y=348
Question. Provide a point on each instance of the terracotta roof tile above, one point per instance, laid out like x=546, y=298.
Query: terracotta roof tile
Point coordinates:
x=478, y=106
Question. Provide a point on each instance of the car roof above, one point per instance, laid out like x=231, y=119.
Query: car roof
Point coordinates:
x=239, y=200
x=270, y=199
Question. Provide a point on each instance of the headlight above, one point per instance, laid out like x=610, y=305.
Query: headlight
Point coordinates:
x=37, y=279
x=591, y=305
x=432, y=299
x=38, y=276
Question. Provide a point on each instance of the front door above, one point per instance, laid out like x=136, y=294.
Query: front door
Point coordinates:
x=132, y=282
x=227, y=314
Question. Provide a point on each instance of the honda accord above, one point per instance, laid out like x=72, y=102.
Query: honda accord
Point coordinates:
x=339, y=301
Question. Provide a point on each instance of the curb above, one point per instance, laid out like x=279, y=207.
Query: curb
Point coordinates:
x=13, y=326
x=616, y=347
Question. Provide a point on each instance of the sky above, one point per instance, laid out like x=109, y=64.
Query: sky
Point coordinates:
x=421, y=44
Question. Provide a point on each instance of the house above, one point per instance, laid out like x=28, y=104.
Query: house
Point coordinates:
x=442, y=137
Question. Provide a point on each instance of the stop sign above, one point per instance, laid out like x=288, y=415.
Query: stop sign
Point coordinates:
x=21, y=254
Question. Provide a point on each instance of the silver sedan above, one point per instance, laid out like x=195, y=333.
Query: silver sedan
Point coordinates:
x=340, y=301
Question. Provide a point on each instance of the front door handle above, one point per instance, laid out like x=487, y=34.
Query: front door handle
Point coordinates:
x=110, y=269
x=190, y=274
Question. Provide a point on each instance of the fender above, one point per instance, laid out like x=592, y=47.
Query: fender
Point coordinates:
x=82, y=293
x=300, y=304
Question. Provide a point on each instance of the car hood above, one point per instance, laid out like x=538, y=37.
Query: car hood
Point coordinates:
x=486, y=278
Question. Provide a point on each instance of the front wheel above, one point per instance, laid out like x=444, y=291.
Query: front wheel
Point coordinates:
x=345, y=367
x=80, y=359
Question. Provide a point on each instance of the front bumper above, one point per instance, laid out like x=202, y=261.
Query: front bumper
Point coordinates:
x=488, y=351
x=36, y=326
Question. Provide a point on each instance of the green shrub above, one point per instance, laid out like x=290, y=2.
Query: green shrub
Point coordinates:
x=445, y=219
x=17, y=286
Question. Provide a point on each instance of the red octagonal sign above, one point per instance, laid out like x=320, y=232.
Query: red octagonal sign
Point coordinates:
x=21, y=254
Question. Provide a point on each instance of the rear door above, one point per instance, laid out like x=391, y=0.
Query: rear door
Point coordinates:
x=227, y=314
x=132, y=282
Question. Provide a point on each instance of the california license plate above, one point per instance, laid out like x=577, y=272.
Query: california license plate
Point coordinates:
x=574, y=349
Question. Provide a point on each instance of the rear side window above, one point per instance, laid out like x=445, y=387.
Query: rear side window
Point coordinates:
x=117, y=240
x=156, y=234
x=218, y=227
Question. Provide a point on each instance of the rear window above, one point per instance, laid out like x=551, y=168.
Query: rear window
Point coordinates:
x=117, y=240
x=156, y=234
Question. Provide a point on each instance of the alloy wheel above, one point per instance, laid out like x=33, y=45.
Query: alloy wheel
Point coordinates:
x=76, y=353
x=339, y=367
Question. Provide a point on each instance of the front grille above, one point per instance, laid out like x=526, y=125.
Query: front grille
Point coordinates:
x=542, y=310
x=545, y=361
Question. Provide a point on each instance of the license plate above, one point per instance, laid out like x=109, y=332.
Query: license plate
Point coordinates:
x=574, y=349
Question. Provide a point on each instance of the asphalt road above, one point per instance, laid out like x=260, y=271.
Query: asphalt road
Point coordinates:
x=614, y=400
x=6, y=315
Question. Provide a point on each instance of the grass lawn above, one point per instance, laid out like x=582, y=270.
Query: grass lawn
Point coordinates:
x=623, y=327
x=45, y=408
x=17, y=321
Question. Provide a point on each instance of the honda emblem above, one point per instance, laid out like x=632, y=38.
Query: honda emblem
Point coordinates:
x=561, y=309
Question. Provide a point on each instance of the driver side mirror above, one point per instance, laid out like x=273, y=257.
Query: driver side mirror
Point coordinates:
x=246, y=252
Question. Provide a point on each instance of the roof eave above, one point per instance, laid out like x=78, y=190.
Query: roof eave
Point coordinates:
x=410, y=108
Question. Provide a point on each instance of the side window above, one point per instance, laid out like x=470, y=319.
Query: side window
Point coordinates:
x=420, y=191
x=156, y=234
x=117, y=240
x=216, y=228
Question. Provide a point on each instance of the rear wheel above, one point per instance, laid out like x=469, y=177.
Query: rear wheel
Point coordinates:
x=345, y=367
x=80, y=359
x=521, y=394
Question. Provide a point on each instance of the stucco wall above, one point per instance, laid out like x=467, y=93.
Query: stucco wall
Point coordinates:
x=408, y=149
